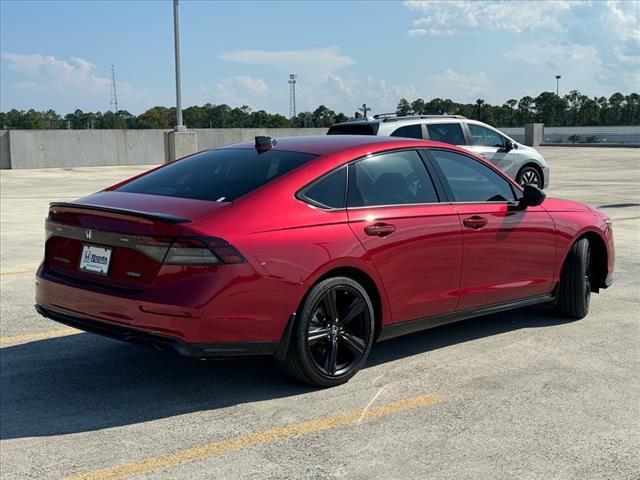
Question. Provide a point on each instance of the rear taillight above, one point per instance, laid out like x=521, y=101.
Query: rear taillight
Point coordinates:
x=206, y=251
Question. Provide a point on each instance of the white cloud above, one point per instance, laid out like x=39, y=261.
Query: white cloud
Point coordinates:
x=75, y=80
x=599, y=42
x=76, y=72
x=254, y=86
x=379, y=95
x=448, y=17
x=314, y=65
x=236, y=91
x=376, y=93
x=457, y=86
x=417, y=32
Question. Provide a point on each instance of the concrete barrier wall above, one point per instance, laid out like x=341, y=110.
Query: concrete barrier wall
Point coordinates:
x=216, y=137
x=5, y=156
x=622, y=135
x=80, y=148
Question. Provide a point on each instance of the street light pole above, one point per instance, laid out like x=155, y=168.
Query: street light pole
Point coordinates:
x=176, y=38
x=558, y=77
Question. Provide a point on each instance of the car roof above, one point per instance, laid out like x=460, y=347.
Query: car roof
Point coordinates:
x=328, y=144
x=382, y=119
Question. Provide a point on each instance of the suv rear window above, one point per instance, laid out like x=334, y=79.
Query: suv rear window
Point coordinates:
x=354, y=129
x=218, y=175
x=408, y=131
x=446, y=132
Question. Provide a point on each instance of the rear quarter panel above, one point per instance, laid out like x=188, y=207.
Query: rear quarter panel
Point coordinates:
x=289, y=244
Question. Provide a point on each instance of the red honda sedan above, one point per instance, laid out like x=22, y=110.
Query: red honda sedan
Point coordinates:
x=312, y=248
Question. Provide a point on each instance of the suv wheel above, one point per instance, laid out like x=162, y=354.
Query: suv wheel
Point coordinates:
x=333, y=334
x=530, y=175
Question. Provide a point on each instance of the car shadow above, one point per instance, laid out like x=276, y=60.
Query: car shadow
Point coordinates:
x=82, y=382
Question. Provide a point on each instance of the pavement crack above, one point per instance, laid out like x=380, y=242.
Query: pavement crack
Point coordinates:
x=366, y=408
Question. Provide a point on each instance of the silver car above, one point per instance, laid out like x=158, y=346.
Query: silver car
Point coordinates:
x=523, y=163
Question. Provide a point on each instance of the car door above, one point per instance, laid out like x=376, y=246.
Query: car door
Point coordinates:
x=413, y=240
x=490, y=144
x=508, y=254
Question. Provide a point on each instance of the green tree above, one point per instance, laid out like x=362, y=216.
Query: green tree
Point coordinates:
x=616, y=107
x=155, y=117
x=418, y=107
x=479, y=108
x=525, y=110
x=550, y=108
x=323, y=117
x=404, y=107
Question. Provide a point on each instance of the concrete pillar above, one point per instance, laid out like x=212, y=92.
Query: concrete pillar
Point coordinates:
x=179, y=144
x=533, y=133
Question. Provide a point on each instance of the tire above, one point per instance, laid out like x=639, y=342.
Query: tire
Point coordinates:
x=325, y=352
x=530, y=175
x=574, y=293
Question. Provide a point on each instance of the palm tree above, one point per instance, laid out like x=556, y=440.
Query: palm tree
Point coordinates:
x=479, y=104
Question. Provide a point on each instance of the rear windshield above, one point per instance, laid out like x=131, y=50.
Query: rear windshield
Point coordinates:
x=218, y=175
x=365, y=129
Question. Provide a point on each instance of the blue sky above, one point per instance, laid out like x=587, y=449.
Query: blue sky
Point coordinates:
x=59, y=54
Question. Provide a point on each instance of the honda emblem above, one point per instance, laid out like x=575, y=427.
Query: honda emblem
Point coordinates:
x=87, y=234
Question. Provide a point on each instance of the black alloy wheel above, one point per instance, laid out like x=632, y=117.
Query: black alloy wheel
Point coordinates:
x=338, y=332
x=574, y=293
x=333, y=334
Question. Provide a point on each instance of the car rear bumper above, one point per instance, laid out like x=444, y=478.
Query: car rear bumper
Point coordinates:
x=130, y=334
x=213, y=308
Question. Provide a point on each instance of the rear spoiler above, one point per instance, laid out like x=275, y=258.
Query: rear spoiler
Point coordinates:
x=162, y=217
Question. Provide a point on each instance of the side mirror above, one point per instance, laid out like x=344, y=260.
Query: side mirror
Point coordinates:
x=531, y=197
x=508, y=146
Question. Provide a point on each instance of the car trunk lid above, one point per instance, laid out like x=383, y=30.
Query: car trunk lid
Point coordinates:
x=118, y=240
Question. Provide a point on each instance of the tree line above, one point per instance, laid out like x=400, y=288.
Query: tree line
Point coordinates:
x=573, y=109
x=206, y=116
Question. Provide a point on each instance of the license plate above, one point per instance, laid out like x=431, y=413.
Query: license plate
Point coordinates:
x=95, y=259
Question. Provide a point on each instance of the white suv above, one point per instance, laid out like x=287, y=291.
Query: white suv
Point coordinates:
x=523, y=163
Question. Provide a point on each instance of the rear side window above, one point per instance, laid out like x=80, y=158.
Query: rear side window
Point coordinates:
x=409, y=131
x=446, y=132
x=218, y=175
x=355, y=129
x=329, y=191
x=396, y=178
x=470, y=180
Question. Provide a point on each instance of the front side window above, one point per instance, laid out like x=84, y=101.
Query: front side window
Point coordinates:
x=446, y=132
x=221, y=175
x=396, y=178
x=470, y=180
x=483, y=136
x=409, y=131
x=328, y=191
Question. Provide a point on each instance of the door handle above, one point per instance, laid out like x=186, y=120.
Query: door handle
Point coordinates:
x=476, y=222
x=379, y=229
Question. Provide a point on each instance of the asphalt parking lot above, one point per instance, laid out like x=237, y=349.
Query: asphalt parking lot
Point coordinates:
x=523, y=394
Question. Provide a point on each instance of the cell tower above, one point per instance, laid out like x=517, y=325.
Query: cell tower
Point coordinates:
x=114, y=93
x=292, y=95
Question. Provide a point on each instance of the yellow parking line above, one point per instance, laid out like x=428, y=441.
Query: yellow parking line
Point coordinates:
x=7, y=273
x=31, y=337
x=253, y=439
